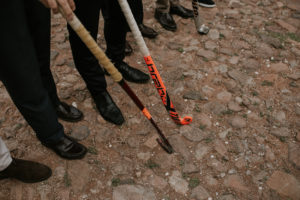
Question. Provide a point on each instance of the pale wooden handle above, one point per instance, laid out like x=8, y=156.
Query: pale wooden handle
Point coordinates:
x=134, y=28
x=94, y=48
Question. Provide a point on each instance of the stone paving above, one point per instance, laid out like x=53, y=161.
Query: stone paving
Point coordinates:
x=241, y=84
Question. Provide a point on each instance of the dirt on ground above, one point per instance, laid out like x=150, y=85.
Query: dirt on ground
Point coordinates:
x=241, y=85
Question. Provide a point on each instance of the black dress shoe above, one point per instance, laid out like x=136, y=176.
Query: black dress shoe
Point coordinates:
x=166, y=20
x=131, y=74
x=181, y=11
x=68, y=112
x=67, y=148
x=26, y=171
x=147, y=31
x=108, y=109
x=128, y=49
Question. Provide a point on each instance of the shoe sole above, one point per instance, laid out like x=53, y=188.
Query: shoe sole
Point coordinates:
x=115, y=123
x=72, y=158
x=32, y=181
x=187, y=17
x=184, y=17
x=169, y=29
x=206, y=5
x=148, y=36
x=39, y=180
x=139, y=82
x=110, y=121
x=71, y=120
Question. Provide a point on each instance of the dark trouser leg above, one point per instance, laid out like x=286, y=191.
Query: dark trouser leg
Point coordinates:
x=86, y=64
x=19, y=72
x=136, y=7
x=115, y=28
x=39, y=27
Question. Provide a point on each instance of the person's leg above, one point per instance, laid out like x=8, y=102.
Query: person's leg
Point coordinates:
x=163, y=6
x=5, y=158
x=136, y=7
x=86, y=64
x=39, y=28
x=115, y=29
x=20, y=74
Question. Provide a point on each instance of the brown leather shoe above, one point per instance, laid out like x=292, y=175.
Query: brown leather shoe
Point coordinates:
x=26, y=171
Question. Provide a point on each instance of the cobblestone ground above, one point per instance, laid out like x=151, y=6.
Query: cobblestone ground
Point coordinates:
x=241, y=84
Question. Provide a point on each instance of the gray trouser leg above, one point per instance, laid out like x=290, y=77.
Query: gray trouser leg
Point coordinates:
x=163, y=6
x=174, y=2
x=5, y=158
